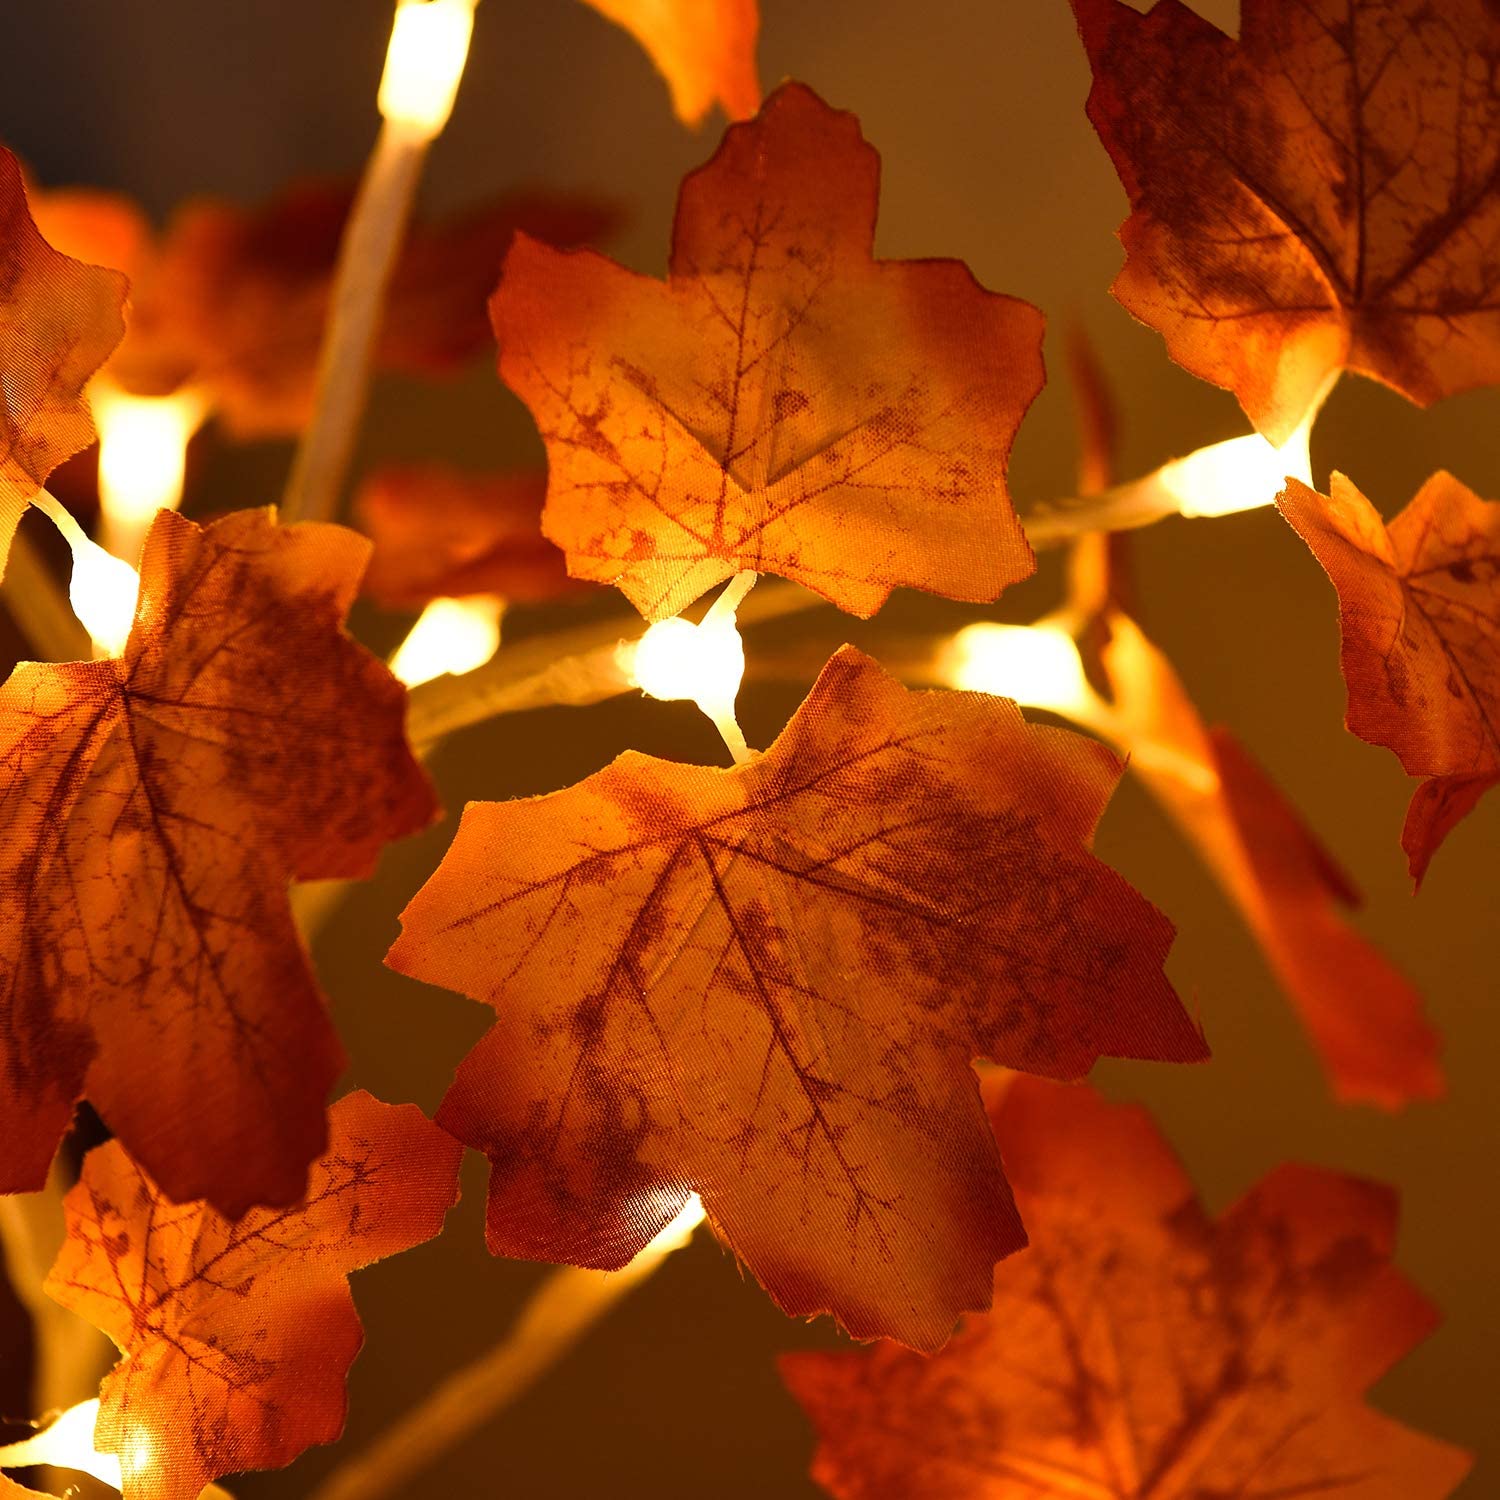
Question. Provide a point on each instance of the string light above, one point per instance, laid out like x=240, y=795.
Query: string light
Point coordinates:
x=424, y=63
x=1036, y=664
x=103, y=589
x=142, y=460
x=1242, y=473
x=703, y=663
x=451, y=635
x=69, y=1444
x=677, y=1234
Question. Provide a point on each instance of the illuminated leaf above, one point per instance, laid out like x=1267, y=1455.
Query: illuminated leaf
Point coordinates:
x=766, y=986
x=237, y=1336
x=705, y=49
x=1323, y=194
x=782, y=402
x=1361, y=1014
x=1419, y=606
x=59, y=320
x=155, y=808
x=440, y=532
x=1140, y=1349
x=233, y=302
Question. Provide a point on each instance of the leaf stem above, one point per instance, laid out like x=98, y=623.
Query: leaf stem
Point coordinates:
x=367, y=258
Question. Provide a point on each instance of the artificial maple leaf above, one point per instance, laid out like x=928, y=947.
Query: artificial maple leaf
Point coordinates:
x=783, y=402
x=766, y=986
x=1363, y=1016
x=440, y=532
x=59, y=320
x=237, y=1336
x=705, y=49
x=1419, y=605
x=1141, y=1349
x=233, y=302
x=1323, y=194
x=154, y=809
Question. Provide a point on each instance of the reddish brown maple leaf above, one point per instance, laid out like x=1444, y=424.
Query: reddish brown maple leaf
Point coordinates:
x=1363, y=1016
x=1323, y=194
x=237, y=1336
x=233, y=301
x=705, y=49
x=59, y=320
x=154, y=809
x=1140, y=1350
x=766, y=986
x=1419, y=605
x=783, y=402
x=439, y=531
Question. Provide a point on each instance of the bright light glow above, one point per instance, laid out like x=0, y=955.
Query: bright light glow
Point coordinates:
x=451, y=635
x=103, y=592
x=69, y=1444
x=1241, y=473
x=1034, y=664
x=142, y=458
x=703, y=663
x=677, y=659
x=429, y=45
x=677, y=1234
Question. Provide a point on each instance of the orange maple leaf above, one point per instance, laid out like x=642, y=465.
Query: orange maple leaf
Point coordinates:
x=441, y=532
x=237, y=1336
x=233, y=301
x=59, y=320
x=783, y=402
x=766, y=986
x=1419, y=606
x=1323, y=194
x=1140, y=1349
x=1364, y=1017
x=705, y=49
x=154, y=809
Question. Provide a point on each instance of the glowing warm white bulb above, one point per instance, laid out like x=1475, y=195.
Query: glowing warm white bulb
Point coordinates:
x=1034, y=664
x=677, y=659
x=1241, y=473
x=451, y=635
x=69, y=1444
x=103, y=593
x=425, y=60
x=677, y=1234
x=142, y=454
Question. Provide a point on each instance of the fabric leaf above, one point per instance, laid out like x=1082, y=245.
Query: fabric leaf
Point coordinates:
x=705, y=49
x=766, y=986
x=237, y=1337
x=1140, y=1349
x=441, y=532
x=1363, y=1016
x=1322, y=194
x=59, y=320
x=152, y=811
x=783, y=402
x=1419, y=605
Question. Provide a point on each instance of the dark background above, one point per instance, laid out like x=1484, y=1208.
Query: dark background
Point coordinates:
x=978, y=111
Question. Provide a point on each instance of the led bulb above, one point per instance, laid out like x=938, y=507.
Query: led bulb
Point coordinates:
x=69, y=1444
x=142, y=453
x=103, y=592
x=425, y=60
x=1034, y=664
x=677, y=659
x=1241, y=473
x=451, y=635
x=677, y=1234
